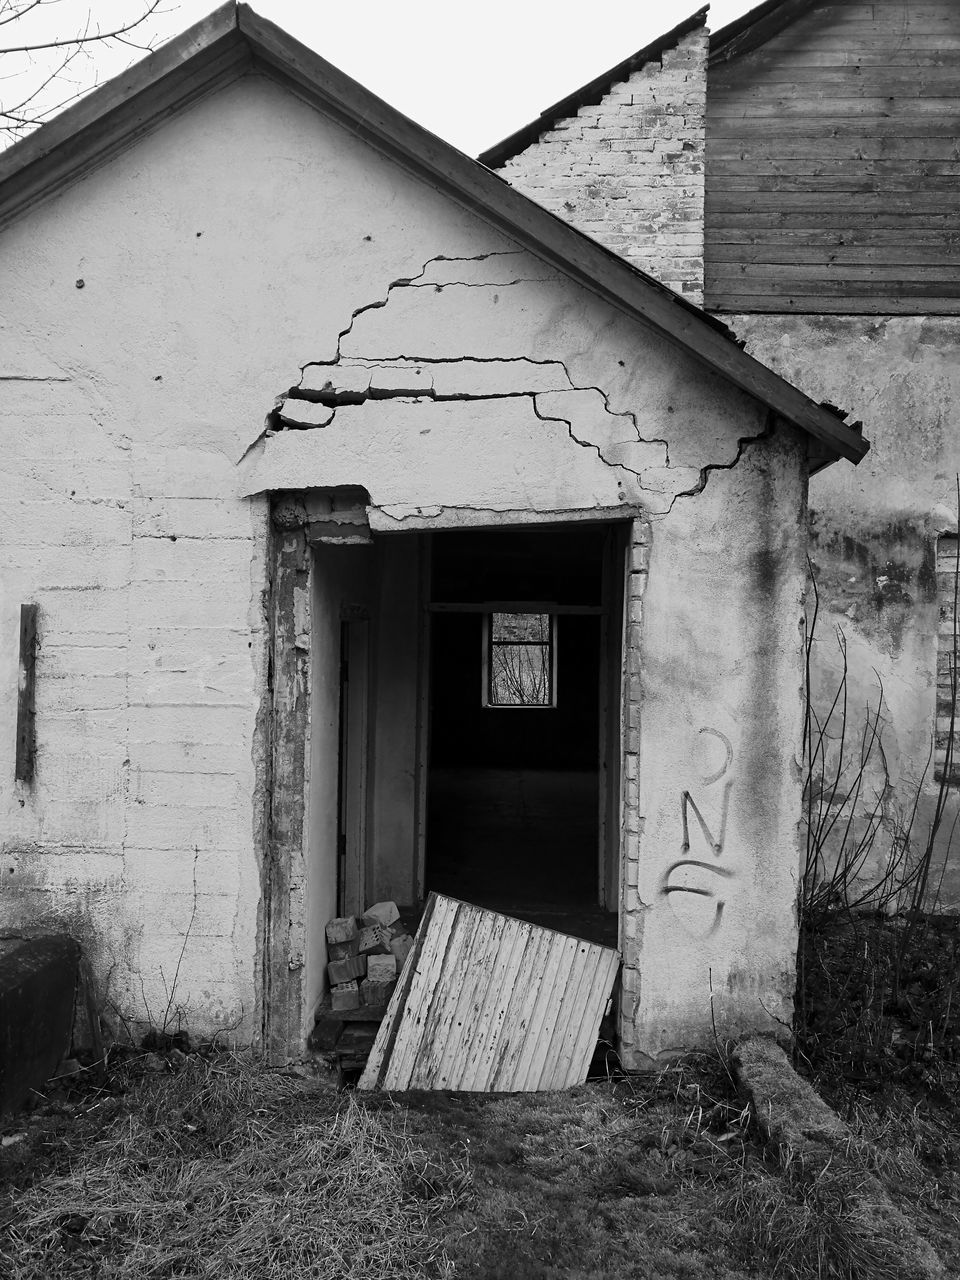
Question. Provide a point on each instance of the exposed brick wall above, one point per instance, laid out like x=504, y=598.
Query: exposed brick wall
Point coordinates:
x=629, y=171
x=631, y=908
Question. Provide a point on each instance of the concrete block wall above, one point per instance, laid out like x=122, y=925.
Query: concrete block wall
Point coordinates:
x=136, y=833
x=629, y=170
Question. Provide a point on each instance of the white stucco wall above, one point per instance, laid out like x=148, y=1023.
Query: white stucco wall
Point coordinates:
x=219, y=255
x=719, y=711
x=142, y=389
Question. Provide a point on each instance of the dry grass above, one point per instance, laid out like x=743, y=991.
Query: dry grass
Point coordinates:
x=804, y=1221
x=216, y=1167
x=228, y=1171
x=913, y=1146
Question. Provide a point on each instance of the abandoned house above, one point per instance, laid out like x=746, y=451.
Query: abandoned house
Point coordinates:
x=797, y=171
x=376, y=531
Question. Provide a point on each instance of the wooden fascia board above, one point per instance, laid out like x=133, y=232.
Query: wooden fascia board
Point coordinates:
x=544, y=234
x=120, y=111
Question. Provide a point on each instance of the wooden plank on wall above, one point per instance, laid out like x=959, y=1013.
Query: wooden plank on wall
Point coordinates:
x=906, y=305
x=835, y=256
x=287, y=715
x=487, y=1002
x=784, y=152
x=26, y=695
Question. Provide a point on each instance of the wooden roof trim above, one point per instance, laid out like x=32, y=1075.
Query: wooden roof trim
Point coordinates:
x=234, y=37
x=588, y=95
x=120, y=110
x=755, y=28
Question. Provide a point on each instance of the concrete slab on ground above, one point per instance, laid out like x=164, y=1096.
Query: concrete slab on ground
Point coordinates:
x=38, y=985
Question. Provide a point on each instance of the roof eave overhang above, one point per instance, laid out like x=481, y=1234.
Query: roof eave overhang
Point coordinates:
x=234, y=38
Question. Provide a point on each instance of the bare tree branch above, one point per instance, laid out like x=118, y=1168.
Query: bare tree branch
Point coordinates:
x=82, y=37
x=50, y=44
x=18, y=13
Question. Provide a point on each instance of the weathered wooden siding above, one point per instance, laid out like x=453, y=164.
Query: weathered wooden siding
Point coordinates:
x=486, y=1002
x=832, y=164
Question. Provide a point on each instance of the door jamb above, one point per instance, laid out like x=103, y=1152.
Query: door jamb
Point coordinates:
x=353, y=761
x=424, y=559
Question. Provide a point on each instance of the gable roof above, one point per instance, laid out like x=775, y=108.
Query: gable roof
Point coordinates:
x=589, y=94
x=234, y=40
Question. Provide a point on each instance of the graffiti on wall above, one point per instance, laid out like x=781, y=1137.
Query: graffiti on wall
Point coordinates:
x=695, y=884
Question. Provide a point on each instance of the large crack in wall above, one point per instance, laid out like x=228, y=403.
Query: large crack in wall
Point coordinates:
x=366, y=370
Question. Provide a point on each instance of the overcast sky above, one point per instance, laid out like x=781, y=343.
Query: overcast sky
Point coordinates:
x=470, y=72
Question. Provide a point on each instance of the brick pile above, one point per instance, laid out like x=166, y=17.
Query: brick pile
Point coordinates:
x=365, y=956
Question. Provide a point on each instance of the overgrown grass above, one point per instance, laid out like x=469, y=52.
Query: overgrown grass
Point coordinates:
x=799, y=1222
x=219, y=1168
x=227, y=1170
x=216, y=1167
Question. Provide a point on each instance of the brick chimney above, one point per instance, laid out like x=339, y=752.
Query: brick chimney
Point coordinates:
x=622, y=158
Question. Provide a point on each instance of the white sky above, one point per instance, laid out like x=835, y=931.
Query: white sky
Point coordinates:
x=470, y=72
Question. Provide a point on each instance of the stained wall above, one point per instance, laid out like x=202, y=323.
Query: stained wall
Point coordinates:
x=874, y=535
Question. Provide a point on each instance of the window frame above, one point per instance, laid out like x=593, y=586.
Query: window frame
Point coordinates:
x=486, y=666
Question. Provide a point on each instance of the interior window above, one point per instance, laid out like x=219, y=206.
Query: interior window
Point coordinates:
x=519, y=660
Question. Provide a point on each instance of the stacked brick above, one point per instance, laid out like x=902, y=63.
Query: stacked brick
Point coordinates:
x=365, y=957
x=629, y=171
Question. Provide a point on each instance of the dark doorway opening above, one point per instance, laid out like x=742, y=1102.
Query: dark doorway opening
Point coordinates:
x=522, y=670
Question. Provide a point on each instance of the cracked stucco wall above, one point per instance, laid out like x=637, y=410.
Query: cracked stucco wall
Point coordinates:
x=250, y=260
x=874, y=529
x=459, y=344
x=526, y=424
x=628, y=171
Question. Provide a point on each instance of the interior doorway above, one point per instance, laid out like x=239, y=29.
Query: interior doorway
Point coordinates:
x=523, y=721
